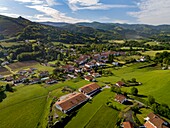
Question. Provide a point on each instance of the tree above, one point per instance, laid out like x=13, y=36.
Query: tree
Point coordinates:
x=134, y=80
x=151, y=99
x=8, y=88
x=134, y=91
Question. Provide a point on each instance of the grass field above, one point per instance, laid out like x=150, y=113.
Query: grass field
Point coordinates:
x=155, y=82
x=23, y=108
x=106, y=117
x=152, y=53
x=91, y=109
x=9, y=44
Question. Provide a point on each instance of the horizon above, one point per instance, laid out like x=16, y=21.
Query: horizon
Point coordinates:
x=147, y=12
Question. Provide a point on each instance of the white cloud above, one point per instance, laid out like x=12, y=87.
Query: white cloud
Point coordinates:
x=153, y=12
x=121, y=21
x=92, y=5
x=104, y=18
x=48, y=13
x=52, y=2
x=54, y=15
x=3, y=8
x=31, y=1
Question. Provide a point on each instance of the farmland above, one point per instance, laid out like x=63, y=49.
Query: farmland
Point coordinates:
x=4, y=71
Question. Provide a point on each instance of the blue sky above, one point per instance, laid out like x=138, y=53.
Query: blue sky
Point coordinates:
x=113, y=11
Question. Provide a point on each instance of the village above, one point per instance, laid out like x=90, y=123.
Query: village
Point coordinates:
x=88, y=67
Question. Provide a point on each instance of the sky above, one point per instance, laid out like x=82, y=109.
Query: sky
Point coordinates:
x=153, y=12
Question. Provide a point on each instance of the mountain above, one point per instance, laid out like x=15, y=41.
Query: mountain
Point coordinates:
x=21, y=29
x=12, y=26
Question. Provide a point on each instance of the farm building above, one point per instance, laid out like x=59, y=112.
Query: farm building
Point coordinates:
x=154, y=121
x=120, y=84
x=120, y=98
x=90, y=89
x=127, y=124
x=71, y=102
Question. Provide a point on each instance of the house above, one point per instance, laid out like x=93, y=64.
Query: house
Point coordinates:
x=68, y=68
x=44, y=74
x=100, y=64
x=82, y=59
x=127, y=124
x=120, y=98
x=89, y=78
x=34, y=81
x=155, y=121
x=91, y=65
x=96, y=75
x=120, y=84
x=9, y=78
x=71, y=102
x=50, y=81
x=77, y=70
x=90, y=89
x=22, y=72
x=115, y=63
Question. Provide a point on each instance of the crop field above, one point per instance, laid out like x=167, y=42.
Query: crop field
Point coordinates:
x=22, y=65
x=4, y=71
x=91, y=109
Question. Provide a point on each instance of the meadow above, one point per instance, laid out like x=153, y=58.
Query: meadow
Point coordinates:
x=154, y=81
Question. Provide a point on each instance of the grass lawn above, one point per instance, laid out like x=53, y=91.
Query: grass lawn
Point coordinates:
x=105, y=117
x=91, y=109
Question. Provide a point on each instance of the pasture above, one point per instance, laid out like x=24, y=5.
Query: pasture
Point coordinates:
x=23, y=108
x=155, y=82
x=152, y=53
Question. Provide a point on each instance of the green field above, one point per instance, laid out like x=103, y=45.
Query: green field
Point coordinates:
x=152, y=53
x=105, y=117
x=154, y=82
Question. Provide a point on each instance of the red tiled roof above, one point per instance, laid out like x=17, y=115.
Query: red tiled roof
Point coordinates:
x=120, y=97
x=156, y=121
x=90, y=88
x=148, y=125
x=127, y=125
x=72, y=101
x=90, y=78
x=120, y=83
